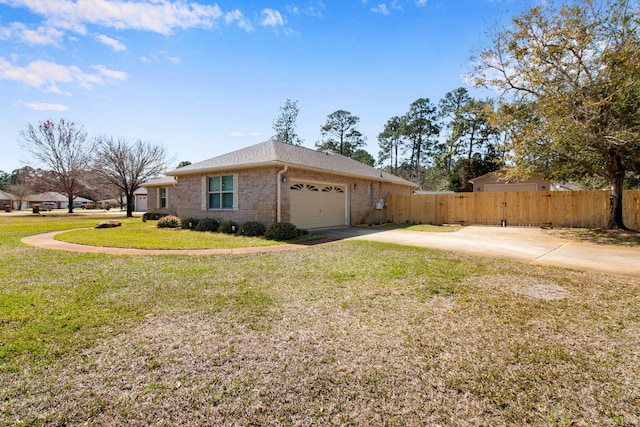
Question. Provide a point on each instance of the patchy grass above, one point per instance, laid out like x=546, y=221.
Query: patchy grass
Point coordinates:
x=146, y=235
x=599, y=236
x=352, y=333
x=433, y=228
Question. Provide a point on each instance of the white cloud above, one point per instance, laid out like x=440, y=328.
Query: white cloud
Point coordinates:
x=159, y=55
x=5, y=33
x=44, y=107
x=47, y=75
x=271, y=18
x=111, y=74
x=381, y=9
x=160, y=16
x=314, y=9
x=421, y=3
x=112, y=43
x=237, y=16
x=41, y=36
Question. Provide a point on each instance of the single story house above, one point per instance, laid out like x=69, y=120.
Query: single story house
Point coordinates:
x=495, y=182
x=6, y=199
x=61, y=200
x=275, y=182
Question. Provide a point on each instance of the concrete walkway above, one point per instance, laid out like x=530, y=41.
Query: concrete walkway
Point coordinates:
x=47, y=241
x=528, y=245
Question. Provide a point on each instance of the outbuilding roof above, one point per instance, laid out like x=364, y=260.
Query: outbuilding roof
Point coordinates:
x=163, y=181
x=273, y=153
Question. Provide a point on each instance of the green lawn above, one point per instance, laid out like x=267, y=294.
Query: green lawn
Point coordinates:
x=350, y=333
x=146, y=235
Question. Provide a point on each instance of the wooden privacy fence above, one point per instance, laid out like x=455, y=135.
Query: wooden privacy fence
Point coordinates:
x=588, y=209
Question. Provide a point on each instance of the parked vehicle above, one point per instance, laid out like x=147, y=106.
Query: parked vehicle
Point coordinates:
x=47, y=206
x=79, y=205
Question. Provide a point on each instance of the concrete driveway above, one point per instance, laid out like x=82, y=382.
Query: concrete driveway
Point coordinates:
x=529, y=245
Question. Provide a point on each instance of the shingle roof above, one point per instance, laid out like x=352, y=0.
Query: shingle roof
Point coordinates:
x=160, y=182
x=49, y=196
x=52, y=196
x=6, y=196
x=273, y=153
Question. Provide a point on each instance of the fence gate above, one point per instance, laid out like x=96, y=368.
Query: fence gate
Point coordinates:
x=525, y=208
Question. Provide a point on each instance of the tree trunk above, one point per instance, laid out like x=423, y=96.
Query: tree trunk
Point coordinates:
x=395, y=169
x=616, y=172
x=130, y=202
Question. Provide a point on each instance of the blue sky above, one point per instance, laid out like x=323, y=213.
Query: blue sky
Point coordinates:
x=203, y=78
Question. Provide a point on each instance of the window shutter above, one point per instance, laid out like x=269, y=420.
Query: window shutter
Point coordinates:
x=203, y=196
x=235, y=191
x=158, y=194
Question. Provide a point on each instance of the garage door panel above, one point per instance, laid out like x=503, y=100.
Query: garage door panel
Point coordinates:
x=317, y=206
x=505, y=188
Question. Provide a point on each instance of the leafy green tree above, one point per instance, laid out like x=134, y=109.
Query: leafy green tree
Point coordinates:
x=450, y=109
x=421, y=128
x=363, y=156
x=341, y=133
x=285, y=124
x=390, y=140
x=6, y=179
x=64, y=150
x=571, y=76
x=469, y=127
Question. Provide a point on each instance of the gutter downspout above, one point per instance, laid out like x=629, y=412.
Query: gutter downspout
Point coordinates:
x=279, y=195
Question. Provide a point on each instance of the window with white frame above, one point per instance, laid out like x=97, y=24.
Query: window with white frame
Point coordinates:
x=163, y=197
x=222, y=192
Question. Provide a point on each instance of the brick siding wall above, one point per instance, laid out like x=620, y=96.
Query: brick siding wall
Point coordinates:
x=257, y=196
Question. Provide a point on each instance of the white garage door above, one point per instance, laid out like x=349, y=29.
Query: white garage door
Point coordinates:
x=141, y=203
x=510, y=187
x=317, y=205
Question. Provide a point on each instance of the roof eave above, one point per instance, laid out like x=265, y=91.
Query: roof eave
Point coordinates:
x=200, y=171
x=245, y=166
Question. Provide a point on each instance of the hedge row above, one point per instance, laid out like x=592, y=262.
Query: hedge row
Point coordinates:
x=275, y=231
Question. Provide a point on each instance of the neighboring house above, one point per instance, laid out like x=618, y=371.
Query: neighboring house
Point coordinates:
x=140, y=201
x=423, y=192
x=568, y=186
x=158, y=193
x=61, y=200
x=495, y=182
x=6, y=199
x=12, y=200
x=276, y=182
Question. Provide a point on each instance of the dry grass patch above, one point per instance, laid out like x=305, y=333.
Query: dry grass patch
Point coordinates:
x=352, y=333
x=599, y=236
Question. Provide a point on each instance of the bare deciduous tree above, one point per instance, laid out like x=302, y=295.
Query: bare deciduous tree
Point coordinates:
x=127, y=165
x=20, y=191
x=62, y=148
